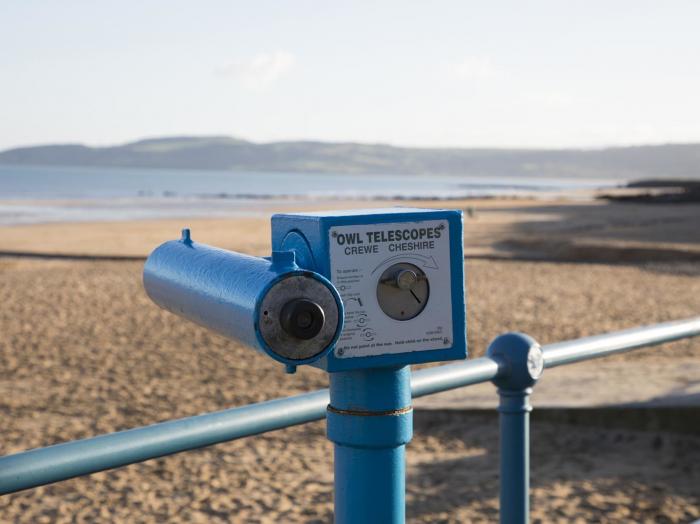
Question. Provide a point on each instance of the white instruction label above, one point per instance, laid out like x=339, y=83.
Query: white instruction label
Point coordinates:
x=369, y=258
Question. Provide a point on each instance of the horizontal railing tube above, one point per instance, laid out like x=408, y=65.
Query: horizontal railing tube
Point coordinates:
x=81, y=457
x=618, y=342
x=42, y=466
x=452, y=376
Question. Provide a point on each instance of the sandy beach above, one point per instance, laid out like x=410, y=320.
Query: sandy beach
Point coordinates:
x=83, y=351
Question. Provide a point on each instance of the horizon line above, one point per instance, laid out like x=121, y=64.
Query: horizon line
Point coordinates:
x=630, y=145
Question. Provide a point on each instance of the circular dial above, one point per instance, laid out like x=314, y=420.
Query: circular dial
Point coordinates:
x=403, y=291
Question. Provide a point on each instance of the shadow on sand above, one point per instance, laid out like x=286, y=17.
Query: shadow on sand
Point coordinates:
x=613, y=233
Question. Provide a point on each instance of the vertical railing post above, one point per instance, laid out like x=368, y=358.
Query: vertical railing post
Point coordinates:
x=370, y=422
x=520, y=365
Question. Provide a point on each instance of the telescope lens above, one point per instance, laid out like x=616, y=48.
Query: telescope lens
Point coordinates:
x=298, y=317
x=302, y=318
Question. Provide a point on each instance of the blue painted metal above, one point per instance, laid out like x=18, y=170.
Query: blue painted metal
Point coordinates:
x=370, y=421
x=618, y=342
x=42, y=466
x=514, y=420
x=222, y=290
x=521, y=360
x=452, y=376
x=307, y=234
x=81, y=457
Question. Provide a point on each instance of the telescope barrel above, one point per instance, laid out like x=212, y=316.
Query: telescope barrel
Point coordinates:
x=292, y=314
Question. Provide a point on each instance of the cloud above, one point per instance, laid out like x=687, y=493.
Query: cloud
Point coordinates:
x=259, y=71
x=475, y=68
x=549, y=99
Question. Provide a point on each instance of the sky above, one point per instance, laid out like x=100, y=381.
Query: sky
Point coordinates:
x=536, y=74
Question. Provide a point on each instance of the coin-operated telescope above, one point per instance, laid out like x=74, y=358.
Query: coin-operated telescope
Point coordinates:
x=341, y=291
x=360, y=294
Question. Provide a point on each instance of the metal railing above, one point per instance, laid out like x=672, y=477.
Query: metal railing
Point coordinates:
x=514, y=363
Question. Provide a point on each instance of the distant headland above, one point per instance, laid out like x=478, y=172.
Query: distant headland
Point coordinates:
x=227, y=153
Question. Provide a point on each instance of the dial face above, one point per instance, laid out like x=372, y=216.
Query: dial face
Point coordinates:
x=403, y=291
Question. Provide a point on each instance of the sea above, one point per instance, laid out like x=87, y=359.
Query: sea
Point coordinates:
x=36, y=194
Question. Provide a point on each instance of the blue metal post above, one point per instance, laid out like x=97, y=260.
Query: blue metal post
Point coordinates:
x=514, y=414
x=370, y=421
x=520, y=365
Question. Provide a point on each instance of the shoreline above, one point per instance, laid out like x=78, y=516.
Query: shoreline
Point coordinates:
x=556, y=230
x=15, y=212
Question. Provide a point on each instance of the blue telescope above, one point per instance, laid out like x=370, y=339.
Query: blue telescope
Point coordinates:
x=294, y=315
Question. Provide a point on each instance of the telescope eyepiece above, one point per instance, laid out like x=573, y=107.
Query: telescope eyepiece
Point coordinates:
x=302, y=319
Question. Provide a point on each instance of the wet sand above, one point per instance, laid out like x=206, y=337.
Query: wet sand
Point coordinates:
x=574, y=231
x=83, y=351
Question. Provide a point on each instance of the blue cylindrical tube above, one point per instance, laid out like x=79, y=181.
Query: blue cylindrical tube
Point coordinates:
x=370, y=485
x=370, y=422
x=520, y=365
x=514, y=414
x=293, y=315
